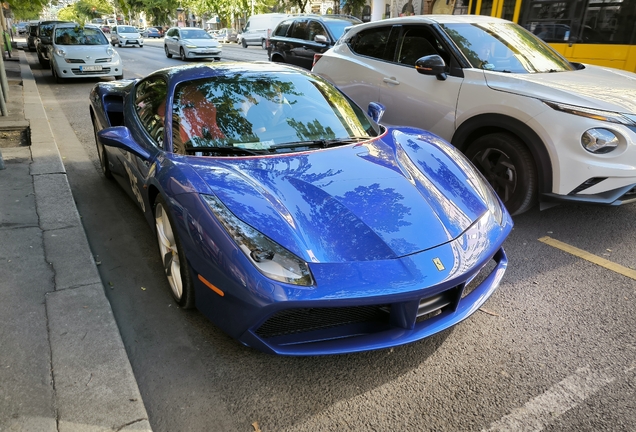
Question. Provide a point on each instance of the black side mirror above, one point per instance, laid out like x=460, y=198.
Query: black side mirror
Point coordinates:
x=431, y=65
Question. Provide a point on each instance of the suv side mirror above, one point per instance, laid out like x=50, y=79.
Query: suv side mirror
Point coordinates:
x=320, y=39
x=431, y=65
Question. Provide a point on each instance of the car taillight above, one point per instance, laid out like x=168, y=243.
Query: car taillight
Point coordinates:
x=316, y=58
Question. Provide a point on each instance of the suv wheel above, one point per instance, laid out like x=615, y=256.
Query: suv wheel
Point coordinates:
x=244, y=43
x=264, y=44
x=165, y=47
x=509, y=168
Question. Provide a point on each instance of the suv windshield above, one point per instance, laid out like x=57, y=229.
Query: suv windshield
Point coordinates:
x=337, y=27
x=126, y=29
x=262, y=113
x=505, y=47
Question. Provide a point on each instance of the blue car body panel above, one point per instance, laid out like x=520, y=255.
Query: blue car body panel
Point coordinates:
x=389, y=228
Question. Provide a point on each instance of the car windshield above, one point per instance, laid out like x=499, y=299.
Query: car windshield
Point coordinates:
x=505, y=47
x=126, y=29
x=263, y=113
x=79, y=36
x=337, y=28
x=195, y=34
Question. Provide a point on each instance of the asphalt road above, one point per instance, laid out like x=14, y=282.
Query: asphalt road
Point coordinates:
x=553, y=349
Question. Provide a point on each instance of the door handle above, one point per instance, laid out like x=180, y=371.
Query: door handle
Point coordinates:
x=391, y=80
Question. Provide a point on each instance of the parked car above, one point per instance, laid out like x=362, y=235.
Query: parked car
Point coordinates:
x=191, y=42
x=296, y=40
x=32, y=33
x=22, y=28
x=43, y=41
x=151, y=32
x=292, y=219
x=125, y=35
x=226, y=35
x=77, y=52
x=259, y=28
x=537, y=126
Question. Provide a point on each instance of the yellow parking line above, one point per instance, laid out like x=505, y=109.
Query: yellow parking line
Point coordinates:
x=625, y=271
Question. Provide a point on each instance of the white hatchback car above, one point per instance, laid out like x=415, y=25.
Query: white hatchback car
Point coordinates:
x=77, y=52
x=537, y=126
x=126, y=35
x=191, y=42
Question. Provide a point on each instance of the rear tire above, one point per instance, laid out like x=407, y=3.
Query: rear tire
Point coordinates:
x=103, y=156
x=165, y=47
x=173, y=256
x=244, y=43
x=264, y=44
x=509, y=167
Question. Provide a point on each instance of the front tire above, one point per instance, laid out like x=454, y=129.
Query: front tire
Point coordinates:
x=509, y=167
x=182, y=54
x=173, y=256
x=244, y=43
x=165, y=47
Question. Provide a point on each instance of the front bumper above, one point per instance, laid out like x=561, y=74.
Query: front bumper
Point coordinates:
x=203, y=52
x=78, y=68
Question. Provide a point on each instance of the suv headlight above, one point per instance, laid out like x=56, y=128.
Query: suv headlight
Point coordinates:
x=596, y=114
x=270, y=258
x=60, y=52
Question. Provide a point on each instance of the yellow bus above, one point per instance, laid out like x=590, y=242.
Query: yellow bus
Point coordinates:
x=601, y=32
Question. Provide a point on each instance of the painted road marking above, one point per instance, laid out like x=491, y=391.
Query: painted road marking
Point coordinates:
x=625, y=271
x=539, y=412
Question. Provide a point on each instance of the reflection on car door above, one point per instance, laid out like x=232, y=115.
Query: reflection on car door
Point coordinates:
x=413, y=98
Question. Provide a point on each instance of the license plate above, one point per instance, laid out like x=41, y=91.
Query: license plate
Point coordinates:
x=90, y=68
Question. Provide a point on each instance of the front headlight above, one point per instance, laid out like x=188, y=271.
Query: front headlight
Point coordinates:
x=60, y=52
x=122, y=37
x=110, y=51
x=270, y=258
x=596, y=114
x=190, y=46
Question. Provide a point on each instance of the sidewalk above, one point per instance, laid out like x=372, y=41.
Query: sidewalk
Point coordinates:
x=63, y=366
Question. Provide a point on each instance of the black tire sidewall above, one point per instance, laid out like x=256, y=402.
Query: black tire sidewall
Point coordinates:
x=524, y=195
x=187, y=297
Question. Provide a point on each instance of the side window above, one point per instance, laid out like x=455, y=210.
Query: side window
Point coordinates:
x=282, y=28
x=372, y=43
x=314, y=29
x=150, y=105
x=114, y=29
x=416, y=42
x=299, y=30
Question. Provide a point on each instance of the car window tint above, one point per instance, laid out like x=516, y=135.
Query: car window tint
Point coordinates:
x=257, y=112
x=299, y=30
x=150, y=105
x=414, y=45
x=372, y=43
x=282, y=28
x=314, y=29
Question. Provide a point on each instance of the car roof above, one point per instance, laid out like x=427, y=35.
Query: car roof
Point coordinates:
x=434, y=19
x=207, y=70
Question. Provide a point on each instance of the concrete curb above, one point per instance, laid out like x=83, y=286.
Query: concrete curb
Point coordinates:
x=94, y=385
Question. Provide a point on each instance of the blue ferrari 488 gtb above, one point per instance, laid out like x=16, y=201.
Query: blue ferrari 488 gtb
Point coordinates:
x=290, y=217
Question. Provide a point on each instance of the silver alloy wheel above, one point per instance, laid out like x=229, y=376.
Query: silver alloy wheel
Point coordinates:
x=169, y=251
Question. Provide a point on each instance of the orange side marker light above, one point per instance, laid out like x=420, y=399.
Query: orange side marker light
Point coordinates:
x=212, y=287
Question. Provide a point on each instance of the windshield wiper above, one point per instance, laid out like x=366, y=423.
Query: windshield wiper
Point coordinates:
x=224, y=150
x=322, y=143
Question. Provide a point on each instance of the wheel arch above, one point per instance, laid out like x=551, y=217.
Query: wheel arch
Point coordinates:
x=483, y=124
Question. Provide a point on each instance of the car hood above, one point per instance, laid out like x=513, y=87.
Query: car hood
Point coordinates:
x=94, y=51
x=201, y=42
x=592, y=87
x=383, y=199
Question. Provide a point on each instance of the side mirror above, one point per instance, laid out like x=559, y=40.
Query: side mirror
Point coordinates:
x=119, y=137
x=431, y=65
x=376, y=111
x=320, y=39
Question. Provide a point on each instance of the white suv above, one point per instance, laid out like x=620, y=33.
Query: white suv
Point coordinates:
x=537, y=126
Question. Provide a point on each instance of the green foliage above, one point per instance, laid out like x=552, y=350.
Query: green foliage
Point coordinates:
x=353, y=7
x=23, y=10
